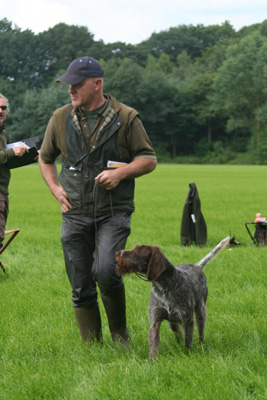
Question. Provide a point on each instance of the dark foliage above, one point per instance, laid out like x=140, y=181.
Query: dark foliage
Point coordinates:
x=180, y=80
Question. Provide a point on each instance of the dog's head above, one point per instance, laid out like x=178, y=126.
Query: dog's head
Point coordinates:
x=144, y=259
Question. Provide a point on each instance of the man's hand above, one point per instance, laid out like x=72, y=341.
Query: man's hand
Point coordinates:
x=61, y=196
x=49, y=173
x=109, y=179
x=20, y=150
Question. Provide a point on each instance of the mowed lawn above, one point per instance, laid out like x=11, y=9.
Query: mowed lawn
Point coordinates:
x=41, y=353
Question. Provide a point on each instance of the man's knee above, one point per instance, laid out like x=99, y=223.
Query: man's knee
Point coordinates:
x=110, y=284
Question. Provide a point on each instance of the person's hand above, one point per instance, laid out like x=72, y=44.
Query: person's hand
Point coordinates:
x=20, y=151
x=108, y=179
x=61, y=196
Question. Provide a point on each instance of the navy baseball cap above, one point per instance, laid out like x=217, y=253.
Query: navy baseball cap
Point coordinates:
x=80, y=69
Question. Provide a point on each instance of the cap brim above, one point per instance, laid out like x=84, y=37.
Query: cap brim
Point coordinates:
x=70, y=79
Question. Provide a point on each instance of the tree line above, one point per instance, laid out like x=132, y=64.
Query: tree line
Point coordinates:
x=201, y=91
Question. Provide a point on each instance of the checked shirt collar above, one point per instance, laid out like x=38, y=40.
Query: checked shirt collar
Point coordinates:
x=108, y=114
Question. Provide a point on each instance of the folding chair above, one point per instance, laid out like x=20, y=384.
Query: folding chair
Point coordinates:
x=14, y=234
x=260, y=235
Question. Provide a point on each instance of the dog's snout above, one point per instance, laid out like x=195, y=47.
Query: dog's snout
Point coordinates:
x=119, y=253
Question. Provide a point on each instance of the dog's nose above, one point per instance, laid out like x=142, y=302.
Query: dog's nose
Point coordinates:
x=119, y=253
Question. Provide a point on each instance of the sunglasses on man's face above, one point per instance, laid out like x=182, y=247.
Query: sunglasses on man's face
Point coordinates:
x=3, y=107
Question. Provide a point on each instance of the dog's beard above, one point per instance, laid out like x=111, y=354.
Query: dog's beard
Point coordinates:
x=125, y=266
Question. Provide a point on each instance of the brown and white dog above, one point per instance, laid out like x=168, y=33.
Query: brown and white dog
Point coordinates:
x=178, y=292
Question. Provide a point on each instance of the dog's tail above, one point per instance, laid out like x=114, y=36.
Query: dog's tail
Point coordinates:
x=213, y=252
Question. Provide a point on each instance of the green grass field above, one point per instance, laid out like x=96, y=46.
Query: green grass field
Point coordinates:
x=41, y=353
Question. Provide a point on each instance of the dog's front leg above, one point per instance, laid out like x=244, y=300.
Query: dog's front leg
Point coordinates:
x=154, y=340
x=176, y=330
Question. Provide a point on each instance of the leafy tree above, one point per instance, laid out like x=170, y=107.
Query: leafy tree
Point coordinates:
x=213, y=56
x=122, y=79
x=17, y=62
x=185, y=69
x=5, y=25
x=163, y=111
x=192, y=39
x=162, y=64
x=151, y=63
x=32, y=117
x=190, y=84
x=248, y=30
x=57, y=47
x=117, y=50
x=262, y=28
x=200, y=92
x=240, y=84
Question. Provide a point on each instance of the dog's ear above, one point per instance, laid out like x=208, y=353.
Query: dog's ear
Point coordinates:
x=156, y=265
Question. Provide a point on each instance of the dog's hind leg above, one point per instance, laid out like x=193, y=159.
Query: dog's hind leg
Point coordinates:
x=201, y=316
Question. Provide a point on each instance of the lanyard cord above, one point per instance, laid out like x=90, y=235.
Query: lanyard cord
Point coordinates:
x=94, y=208
x=95, y=190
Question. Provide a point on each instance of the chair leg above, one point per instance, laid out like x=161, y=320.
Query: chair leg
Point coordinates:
x=3, y=268
x=14, y=234
x=3, y=247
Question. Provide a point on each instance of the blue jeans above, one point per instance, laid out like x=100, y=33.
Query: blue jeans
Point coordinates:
x=89, y=246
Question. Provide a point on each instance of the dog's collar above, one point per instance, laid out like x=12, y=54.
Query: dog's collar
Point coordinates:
x=141, y=276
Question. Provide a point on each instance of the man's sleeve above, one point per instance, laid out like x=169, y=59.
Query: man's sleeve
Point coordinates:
x=138, y=141
x=49, y=149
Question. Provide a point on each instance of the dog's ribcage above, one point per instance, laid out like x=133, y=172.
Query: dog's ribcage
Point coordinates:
x=164, y=302
x=172, y=297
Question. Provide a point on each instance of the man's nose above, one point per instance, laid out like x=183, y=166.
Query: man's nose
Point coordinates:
x=72, y=89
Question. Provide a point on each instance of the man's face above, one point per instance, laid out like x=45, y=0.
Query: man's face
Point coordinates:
x=83, y=94
x=3, y=113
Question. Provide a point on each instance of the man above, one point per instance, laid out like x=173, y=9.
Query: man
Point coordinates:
x=5, y=155
x=92, y=134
